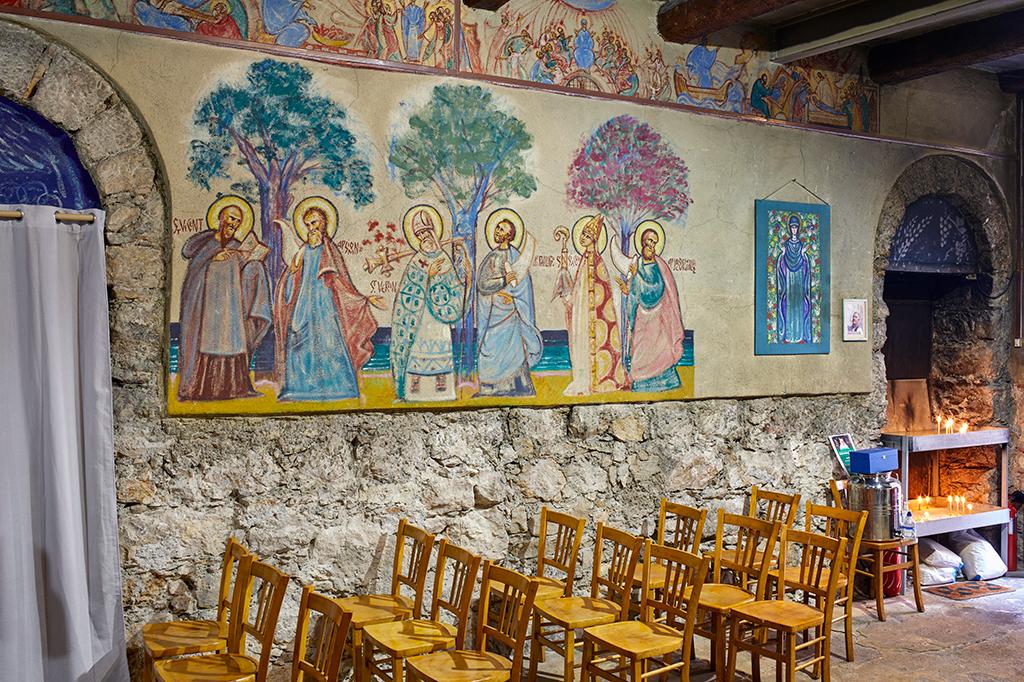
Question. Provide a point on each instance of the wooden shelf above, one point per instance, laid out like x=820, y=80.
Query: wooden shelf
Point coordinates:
x=929, y=441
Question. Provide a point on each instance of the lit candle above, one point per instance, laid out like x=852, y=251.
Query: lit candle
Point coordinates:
x=963, y=428
x=938, y=423
x=970, y=507
x=949, y=502
x=920, y=500
x=928, y=500
x=949, y=425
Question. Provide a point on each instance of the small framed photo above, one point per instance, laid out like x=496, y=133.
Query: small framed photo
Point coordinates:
x=855, y=319
x=842, y=445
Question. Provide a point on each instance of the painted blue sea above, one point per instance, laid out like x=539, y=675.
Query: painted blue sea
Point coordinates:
x=554, y=359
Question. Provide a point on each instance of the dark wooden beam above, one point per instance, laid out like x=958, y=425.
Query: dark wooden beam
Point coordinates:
x=1012, y=82
x=684, y=21
x=489, y=5
x=820, y=26
x=949, y=48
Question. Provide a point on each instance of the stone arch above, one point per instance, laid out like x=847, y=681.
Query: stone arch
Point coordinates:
x=978, y=197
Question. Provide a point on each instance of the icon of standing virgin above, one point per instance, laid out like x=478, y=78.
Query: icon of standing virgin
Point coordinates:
x=323, y=324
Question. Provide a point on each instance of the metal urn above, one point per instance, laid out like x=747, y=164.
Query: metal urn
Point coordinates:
x=880, y=495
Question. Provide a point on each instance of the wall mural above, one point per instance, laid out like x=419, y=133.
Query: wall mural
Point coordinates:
x=448, y=298
x=595, y=45
x=791, y=295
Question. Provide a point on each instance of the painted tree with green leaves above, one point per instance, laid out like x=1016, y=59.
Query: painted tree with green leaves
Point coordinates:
x=463, y=148
x=279, y=128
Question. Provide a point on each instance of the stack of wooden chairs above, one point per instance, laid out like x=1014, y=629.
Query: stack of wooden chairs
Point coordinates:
x=648, y=599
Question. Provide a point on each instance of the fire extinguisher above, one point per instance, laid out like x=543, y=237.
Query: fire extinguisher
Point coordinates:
x=1011, y=541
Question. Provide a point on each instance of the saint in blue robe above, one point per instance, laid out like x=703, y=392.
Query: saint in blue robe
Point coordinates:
x=413, y=23
x=793, y=293
x=510, y=343
x=699, y=63
x=317, y=364
x=583, y=49
x=654, y=329
x=287, y=21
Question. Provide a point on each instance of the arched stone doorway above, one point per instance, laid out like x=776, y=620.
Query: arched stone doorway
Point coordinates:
x=960, y=315
x=40, y=74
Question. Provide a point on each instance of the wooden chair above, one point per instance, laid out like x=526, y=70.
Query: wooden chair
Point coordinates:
x=399, y=640
x=872, y=553
x=412, y=559
x=505, y=619
x=608, y=601
x=237, y=665
x=840, y=492
x=330, y=633
x=679, y=526
x=637, y=649
x=817, y=576
x=184, y=637
x=748, y=562
x=564, y=551
x=781, y=507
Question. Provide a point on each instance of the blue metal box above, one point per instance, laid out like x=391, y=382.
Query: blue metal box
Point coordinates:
x=874, y=460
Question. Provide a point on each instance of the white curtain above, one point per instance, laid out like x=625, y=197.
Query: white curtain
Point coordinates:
x=60, y=585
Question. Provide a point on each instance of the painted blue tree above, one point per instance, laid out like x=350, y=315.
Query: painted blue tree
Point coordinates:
x=462, y=148
x=283, y=132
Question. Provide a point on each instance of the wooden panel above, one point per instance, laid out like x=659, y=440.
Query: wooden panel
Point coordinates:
x=681, y=21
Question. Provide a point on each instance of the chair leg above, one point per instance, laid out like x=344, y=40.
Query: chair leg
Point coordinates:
x=534, y=651
x=397, y=669
x=879, y=580
x=730, y=669
x=358, y=667
x=718, y=626
x=917, y=577
x=780, y=659
x=570, y=655
x=536, y=627
x=636, y=670
x=147, y=666
x=588, y=654
x=759, y=635
x=848, y=626
x=790, y=646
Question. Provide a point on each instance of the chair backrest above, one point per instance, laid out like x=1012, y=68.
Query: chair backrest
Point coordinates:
x=455, y=595
x=506, y=609
x=329, y=634
x=620, y=551
x=683, y=571
x=839, y=523
x=233, y=554
x=817, y=553
x=562, y=549
x=684, y=526
x=840, y=488
x=412, y=560
x=267, y=585
x=751, y=557
x=781, y=507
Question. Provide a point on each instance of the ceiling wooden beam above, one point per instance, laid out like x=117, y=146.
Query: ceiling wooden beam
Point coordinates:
x=684, y=21
x=949, y=48
x=489, y=5
x=863, y=22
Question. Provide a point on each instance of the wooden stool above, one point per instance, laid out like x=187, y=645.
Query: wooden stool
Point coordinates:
x=873, y=552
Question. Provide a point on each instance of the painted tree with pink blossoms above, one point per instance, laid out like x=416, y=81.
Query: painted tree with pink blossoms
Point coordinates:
x=628, y=172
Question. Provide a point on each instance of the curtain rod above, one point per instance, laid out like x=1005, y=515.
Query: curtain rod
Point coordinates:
x=59, y=215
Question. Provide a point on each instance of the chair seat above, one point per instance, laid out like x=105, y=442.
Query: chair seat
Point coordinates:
x=209, y=668
x=367, y=609
x=462, y=666
x=181, y=637
x=405, y=638
x=578, y=612
x=656, y=580
x=635, y=638
x=721, y=597
x=549, y=588
x=791, y=572
x=781, y=614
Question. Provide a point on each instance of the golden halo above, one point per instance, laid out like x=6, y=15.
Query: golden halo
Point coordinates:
x=509, y=215
x=639, y=232
x=324, y=205
x=435, y=217
x=213, y=214
x=577, y=230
